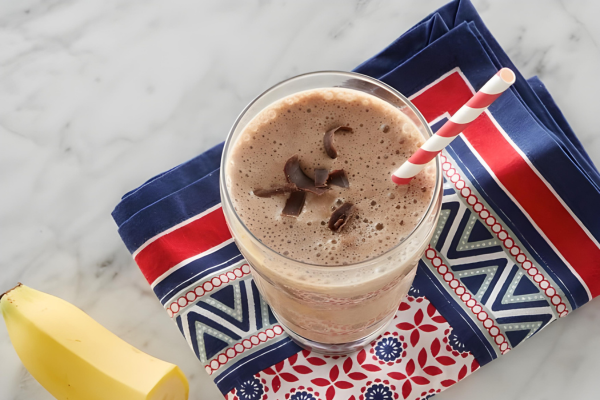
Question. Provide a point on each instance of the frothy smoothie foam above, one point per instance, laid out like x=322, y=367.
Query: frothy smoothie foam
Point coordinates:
x=381, y=139
x=338, y=302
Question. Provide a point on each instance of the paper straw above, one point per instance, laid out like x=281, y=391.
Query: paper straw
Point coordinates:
x=455, y=125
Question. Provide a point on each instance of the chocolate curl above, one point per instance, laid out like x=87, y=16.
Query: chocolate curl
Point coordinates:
x=339, y=178
x=294, y=204
x=288, y=188
x=341, y=216
x=295, y=175
x=321, y=177
x=328, y=140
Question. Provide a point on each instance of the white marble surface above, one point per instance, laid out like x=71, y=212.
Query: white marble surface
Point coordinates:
x=97, y=96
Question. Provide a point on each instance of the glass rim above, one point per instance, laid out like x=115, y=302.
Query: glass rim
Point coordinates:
x=225, y=195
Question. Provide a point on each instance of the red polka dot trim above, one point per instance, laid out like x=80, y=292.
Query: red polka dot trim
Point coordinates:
x=201, y=289
x=246, y=344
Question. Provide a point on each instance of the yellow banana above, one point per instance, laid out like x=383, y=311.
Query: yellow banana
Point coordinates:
x=76, y=358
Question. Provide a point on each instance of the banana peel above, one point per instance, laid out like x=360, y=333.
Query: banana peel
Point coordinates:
x=76, y=358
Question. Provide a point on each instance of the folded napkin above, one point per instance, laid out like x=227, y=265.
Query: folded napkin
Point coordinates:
x=516, y=246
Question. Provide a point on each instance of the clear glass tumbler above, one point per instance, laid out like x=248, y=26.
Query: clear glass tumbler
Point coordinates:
x=332, y=309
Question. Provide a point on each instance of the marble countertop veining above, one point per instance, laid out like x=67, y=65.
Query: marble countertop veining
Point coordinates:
x=98, y=96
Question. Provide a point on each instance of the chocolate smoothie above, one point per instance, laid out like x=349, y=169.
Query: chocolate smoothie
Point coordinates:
x=381, y=139
x=363, y=139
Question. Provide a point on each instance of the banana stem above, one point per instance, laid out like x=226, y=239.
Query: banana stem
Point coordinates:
x=10, y=290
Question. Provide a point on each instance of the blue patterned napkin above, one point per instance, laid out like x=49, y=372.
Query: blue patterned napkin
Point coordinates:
x=516, y=246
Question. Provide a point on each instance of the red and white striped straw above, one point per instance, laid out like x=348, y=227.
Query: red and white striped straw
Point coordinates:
x=455, y=125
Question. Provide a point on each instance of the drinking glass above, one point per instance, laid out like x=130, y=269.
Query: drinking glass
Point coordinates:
x=332, y=309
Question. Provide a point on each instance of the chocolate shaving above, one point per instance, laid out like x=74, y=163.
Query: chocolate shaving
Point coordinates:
x=321, y=176
x=288, y=188
x=328, y=140
x=339, y=178
x=341, y=216
x=295, y=175
x=294, y=204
